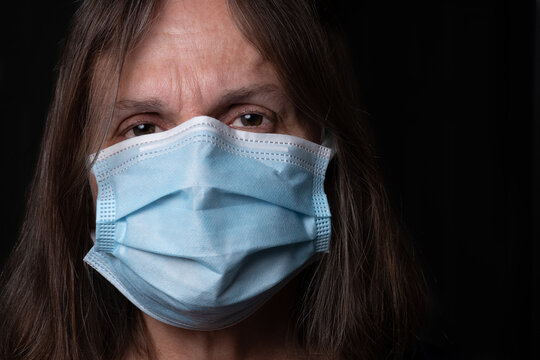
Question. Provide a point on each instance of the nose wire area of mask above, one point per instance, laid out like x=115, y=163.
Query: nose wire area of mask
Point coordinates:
x=199, y=225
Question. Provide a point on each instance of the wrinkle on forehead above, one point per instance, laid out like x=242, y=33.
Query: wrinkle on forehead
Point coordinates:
x=192, y=47
x=188, y=20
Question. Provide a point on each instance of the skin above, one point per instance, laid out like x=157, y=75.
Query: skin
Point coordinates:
x=263, y=335
x=195, y=61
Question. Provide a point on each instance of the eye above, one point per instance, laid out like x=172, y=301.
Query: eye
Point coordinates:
x=248, y=120
x=251, y=121
x=142, y=129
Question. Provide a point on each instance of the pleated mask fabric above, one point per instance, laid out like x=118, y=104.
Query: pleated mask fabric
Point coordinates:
x=200, y=225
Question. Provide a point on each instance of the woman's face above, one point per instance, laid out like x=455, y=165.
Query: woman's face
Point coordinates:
x=195, y=61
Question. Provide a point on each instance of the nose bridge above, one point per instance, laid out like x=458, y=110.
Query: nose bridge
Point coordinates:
x=195, y=95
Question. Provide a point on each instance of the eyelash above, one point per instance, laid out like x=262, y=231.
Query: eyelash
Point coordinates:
x=144, y=118
x=150, y=119
x=269, y=115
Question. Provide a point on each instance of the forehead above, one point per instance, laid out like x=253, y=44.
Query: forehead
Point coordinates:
x=193, y=48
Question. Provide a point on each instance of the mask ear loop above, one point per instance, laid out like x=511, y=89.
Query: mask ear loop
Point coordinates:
x=328, y=140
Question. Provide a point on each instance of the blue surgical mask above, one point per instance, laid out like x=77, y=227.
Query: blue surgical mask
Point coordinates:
x=199, y=225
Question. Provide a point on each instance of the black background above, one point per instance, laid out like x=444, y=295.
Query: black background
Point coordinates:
x=450, y=89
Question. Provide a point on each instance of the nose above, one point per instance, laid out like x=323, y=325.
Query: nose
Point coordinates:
x=193, y=99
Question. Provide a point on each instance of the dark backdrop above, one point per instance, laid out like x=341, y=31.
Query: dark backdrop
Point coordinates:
x=450, y=89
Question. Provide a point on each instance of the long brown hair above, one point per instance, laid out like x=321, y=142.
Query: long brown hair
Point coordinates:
x=360, y=301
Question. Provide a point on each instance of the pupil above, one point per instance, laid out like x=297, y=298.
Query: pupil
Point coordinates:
x=144, y=129
x=251, y=119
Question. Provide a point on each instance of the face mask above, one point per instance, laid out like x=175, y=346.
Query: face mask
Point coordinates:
x=199, y=225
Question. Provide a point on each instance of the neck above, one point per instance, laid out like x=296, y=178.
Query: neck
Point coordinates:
x=264, y=335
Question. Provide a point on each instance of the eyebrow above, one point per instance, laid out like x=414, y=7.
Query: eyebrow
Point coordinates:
x=146, y=105
x=155, y=105
x=244, y=93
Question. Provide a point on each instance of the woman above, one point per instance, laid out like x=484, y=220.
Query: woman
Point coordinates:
x=236, y=263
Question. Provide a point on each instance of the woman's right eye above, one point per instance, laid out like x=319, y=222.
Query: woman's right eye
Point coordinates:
x=142, y=129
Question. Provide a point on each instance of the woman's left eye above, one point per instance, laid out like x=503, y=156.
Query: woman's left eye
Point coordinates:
x=250, y=120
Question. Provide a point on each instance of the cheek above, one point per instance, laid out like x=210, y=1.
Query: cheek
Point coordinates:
x=313, y=133
x=306, y=130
